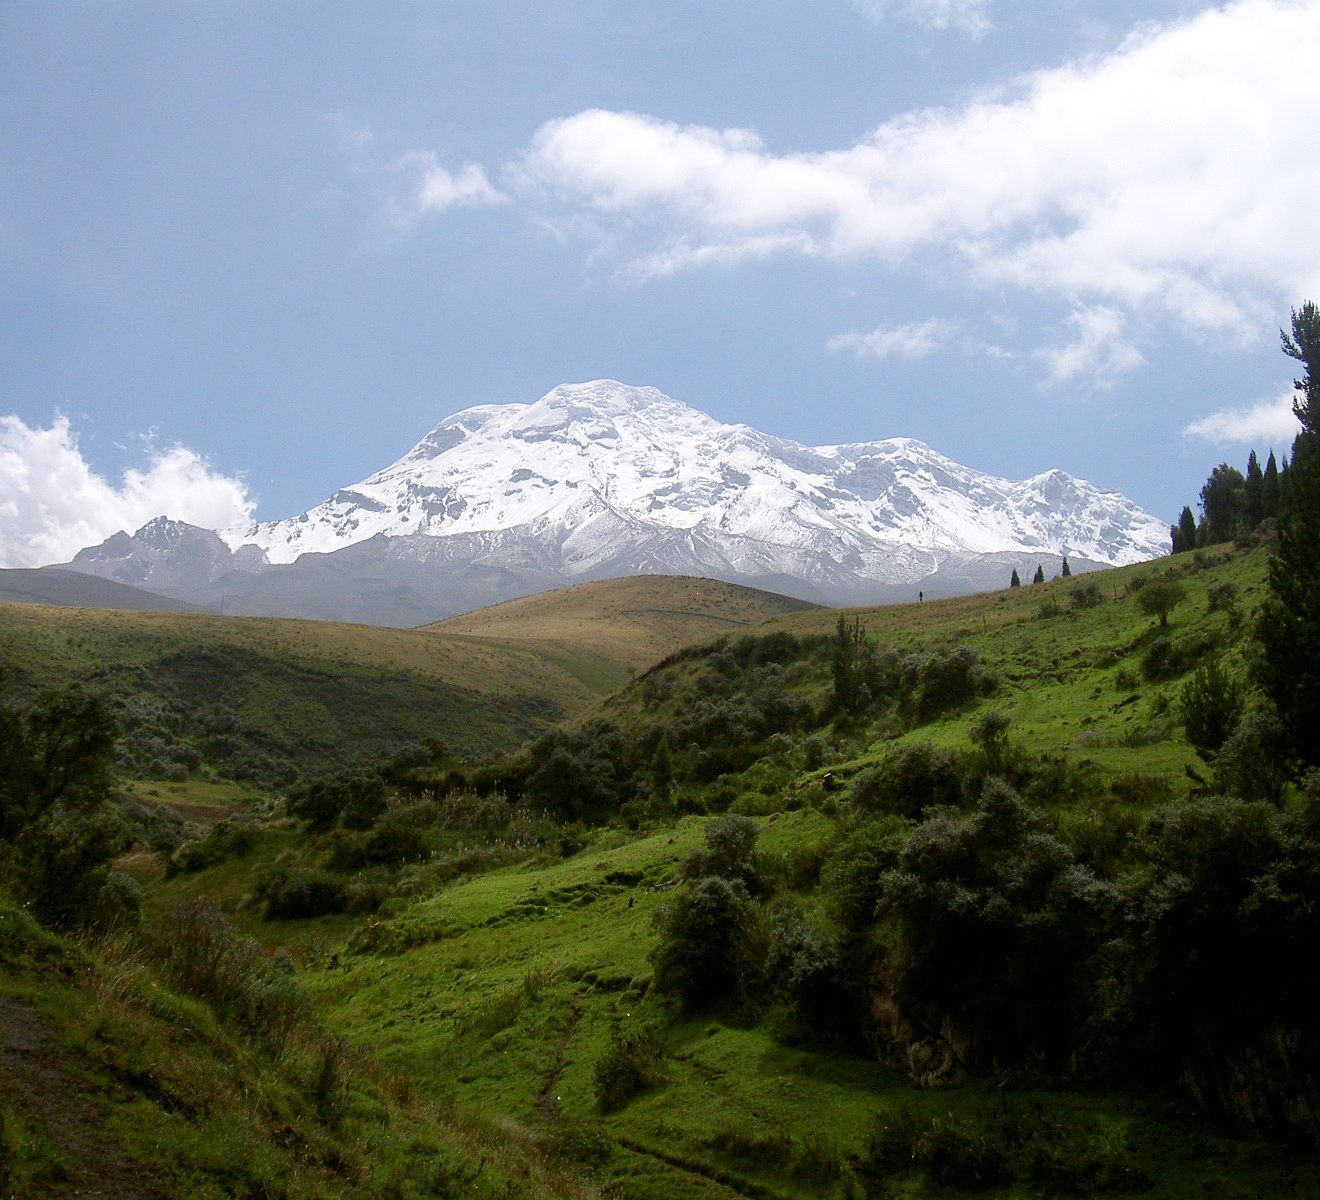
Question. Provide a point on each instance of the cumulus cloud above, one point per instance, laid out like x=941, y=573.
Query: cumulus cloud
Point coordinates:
x=1098, y=351
x=971, y=17
x=52, y=503
x=902, y=341
x=1165, y=177
x=435, y=188
x=1270, y=422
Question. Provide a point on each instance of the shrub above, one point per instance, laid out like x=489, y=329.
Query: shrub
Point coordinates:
x=1159, y=597
x=703, y=954
x=61, y=867
x=947, y=680
x=300, y=893
x=730, y=851
x=802, y=968
x=994, y=920
x=1252, y=762
x=1210, y=704
x=234, y=837
x=1085, y=595
x=910, y=780
x=631, y=1065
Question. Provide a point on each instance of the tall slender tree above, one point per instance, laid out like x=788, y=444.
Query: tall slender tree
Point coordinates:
x=1271, y=486
x=1254, y=494
x=1186, y=530
x=1290, y=621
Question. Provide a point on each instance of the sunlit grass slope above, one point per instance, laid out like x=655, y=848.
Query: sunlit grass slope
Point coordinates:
x=325, y=695
x=633, y=622
x=117, y=1082
x=504, y=991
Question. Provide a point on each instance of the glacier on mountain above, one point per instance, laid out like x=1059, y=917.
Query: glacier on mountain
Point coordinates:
x=601, y=479
x=592, y=469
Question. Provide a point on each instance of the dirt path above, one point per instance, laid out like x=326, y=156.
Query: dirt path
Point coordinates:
x=725, y=1179
x=34, y=1076
x=547, y=1102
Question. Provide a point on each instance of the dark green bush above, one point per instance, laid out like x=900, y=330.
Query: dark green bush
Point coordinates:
x=912, y=779
x=1211, y=705
x=729, y=852
x=632, y=1064
x=994, y=922
x=703, y=957
x=1252, y=763
x=294, y=894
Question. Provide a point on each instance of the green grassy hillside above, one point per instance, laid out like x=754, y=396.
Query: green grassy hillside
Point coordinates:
x=259, y=698
x=511, y=961
x=634, y=621
x=144, y=1071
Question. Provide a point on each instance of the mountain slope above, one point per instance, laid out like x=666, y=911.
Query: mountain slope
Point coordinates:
x=595, y=470
x=253, y=696
x=637, y=620
x=50, y=585
x=601, y=479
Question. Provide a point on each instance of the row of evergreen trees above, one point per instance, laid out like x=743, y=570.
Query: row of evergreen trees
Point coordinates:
x=1015, y=580
x=1234, y=504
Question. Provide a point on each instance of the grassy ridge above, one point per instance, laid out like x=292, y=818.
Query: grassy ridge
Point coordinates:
x=321, y=695
x=635, y=621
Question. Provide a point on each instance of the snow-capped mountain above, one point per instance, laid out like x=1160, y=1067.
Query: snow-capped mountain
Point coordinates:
x=601, y=479
x=592, y=468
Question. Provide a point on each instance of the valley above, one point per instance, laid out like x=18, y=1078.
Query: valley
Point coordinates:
x=484, y=937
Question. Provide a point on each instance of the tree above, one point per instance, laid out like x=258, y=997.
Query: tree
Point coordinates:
x=1211, y=705
x=1039, y=577
x=1223, y=504
x=1015, y=580
x=1158, y=598
x=1304, y=345
x=1270, y=489
x=1067, y=570
x=56, y=752
x=1254, y=493
x=1290, y=620
x=1184, y=533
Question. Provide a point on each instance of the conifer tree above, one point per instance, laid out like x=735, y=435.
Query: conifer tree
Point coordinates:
x=1290, y=622
x=1015, y=580
x=1186, y=539
x=1270, y=487
x=1039, y=577
x=1223, y=504
x=1254, y=496
x=1067, y=570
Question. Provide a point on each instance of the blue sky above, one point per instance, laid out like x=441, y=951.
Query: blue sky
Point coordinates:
x=251, y=252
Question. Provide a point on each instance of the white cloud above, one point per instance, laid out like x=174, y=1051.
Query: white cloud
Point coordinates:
x=52, y=503
x=966, y=16
x=435, y=188
x=1169, y=177
x=902, y=341
x=1099, y=349
x=1270, y=422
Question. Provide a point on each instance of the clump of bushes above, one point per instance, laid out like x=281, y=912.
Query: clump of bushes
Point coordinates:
x=204, y=954
x=295, y=893
x=632, y=1064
